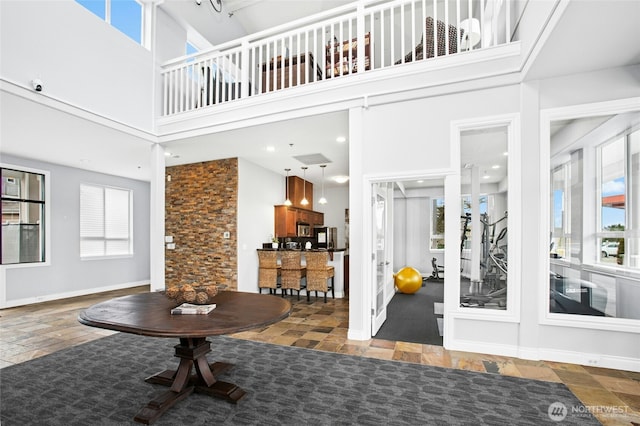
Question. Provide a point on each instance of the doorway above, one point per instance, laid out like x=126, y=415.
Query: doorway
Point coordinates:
x=415, y=239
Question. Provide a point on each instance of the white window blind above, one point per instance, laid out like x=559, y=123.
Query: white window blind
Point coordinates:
x=105, y=221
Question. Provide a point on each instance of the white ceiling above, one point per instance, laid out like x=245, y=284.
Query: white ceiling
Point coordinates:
x=32, y=130
x=291, y=138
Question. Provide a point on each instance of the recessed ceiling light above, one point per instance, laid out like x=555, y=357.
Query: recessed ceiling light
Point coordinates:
x=495, y=166
x=420, y=181
x=505, y=153
x=270, y=148
x=341, y=179
x=167, y=154
x=486, y=176
x=341, y=139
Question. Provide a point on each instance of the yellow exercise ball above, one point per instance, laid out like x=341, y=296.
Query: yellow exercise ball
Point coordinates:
x=408, y=280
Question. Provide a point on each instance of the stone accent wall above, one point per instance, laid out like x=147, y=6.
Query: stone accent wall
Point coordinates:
x=201, y=204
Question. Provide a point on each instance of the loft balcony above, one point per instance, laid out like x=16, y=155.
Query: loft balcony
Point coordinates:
x=351, y=45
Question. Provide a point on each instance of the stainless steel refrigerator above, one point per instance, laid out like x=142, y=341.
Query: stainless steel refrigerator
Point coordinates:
x=326, y=237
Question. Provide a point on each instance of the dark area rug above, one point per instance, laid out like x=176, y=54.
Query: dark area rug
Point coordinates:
x=102, y=383
x=411, y=317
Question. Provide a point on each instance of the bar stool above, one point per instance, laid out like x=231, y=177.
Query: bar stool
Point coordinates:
x=292, y=271
x=268, y=270
x=318, y=273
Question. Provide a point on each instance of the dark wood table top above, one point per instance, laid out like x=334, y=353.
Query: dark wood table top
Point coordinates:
x=149, y=314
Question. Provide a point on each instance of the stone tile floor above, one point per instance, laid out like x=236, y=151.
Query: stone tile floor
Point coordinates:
x=613, y=396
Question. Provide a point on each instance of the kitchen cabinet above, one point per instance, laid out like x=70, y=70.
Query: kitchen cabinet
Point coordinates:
x=287, y=217
x=299, y=189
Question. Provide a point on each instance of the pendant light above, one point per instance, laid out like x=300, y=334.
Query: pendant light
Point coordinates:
x=322, y=200
x=287, y=201
x=304, y=201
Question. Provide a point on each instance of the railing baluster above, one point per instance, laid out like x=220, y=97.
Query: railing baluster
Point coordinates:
x=257, y=64
x=459, y=41
x=469, y=18
x=392, y=31
x=401, y=35
x=507, y=35
x=482, y=38
x=413, y=31
x=383, y=57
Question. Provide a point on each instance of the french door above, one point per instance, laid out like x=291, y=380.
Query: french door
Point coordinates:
x=381, y=263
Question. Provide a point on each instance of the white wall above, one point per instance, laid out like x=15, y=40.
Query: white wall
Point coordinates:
x=258, y=191
x=80, y=59
x=412, y=230
x=68, y=275
x=573, y=344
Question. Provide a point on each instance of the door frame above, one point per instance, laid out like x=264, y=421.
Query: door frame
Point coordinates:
x=367, y=225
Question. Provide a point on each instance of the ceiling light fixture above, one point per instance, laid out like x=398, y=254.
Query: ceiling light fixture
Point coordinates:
x=341, y=179
x=304, y=201
x=287, y=201
x=322, y=200
x=217, y=8
x=341, y=139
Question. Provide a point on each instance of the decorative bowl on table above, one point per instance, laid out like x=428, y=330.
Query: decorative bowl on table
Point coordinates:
x=196, y=294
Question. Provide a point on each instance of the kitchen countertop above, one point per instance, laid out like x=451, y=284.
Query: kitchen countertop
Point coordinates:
x=303, y=250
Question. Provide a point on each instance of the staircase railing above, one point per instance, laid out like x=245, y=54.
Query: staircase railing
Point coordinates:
x=352, y=39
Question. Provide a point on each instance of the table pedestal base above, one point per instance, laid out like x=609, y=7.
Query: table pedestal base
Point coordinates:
x=192, y=353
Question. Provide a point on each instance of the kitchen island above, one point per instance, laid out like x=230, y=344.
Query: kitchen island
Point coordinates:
x=336, y=259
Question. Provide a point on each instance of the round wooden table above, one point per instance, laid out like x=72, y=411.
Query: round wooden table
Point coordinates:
x=149, y=314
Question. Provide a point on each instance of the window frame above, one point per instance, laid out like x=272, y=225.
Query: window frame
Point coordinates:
x=565, y=233
x=107, y=18
x=105, y=239
x=629, y=230
x=46, y=217
x=453, y=194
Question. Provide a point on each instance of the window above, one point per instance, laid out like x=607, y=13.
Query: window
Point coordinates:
x=125, y=15
x=23, y=214
x=105, y=221
x=437, y=224
x=437, y=221
x=618, y=189
x=560, y=212
x=465, y=219
x=594, y=217
x=190, y=49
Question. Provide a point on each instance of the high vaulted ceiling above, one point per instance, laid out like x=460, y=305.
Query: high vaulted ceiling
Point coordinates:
x=242, y=17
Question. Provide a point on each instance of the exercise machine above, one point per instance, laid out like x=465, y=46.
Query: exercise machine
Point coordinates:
x=493, y=264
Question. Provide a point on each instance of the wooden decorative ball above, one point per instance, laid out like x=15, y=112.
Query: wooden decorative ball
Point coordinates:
x=198, y=295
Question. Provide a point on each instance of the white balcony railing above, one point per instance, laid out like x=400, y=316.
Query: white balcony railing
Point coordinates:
x=355, y=38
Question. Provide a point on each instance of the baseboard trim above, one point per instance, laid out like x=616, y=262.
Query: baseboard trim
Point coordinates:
x=548, y=354
x=66, y=295
x=591, y=360
x=358, y=335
